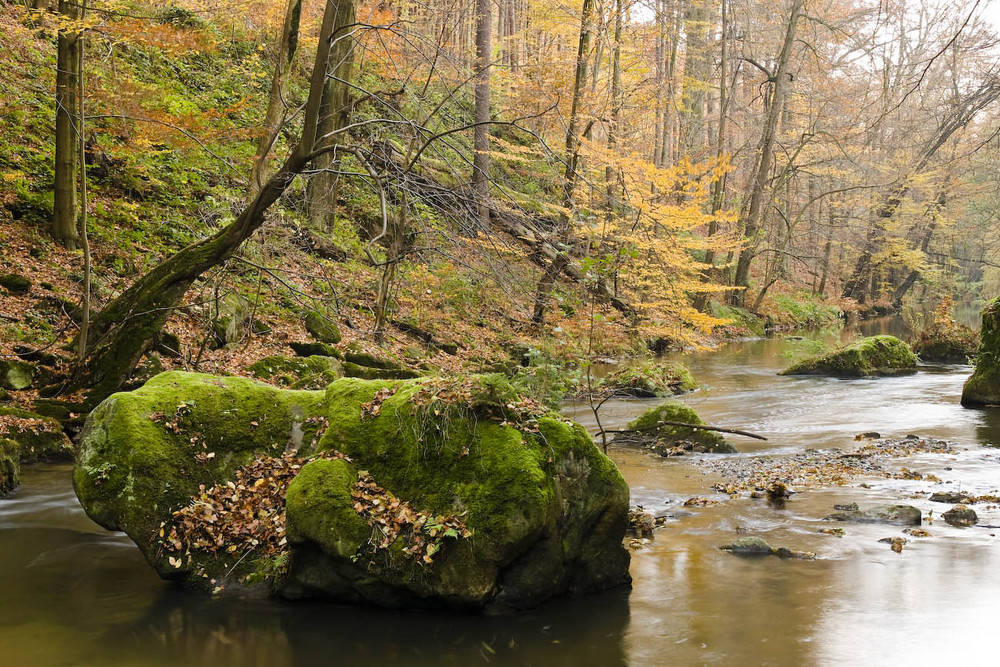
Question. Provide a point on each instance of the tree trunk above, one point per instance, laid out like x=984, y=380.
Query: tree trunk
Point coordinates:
x=333, y=115
x=64, y=218
x=277, y=105
x=933, y=212
x=481, y=156
x=764, y=157
x=571, y=176
x=719, y=186
x=125, y=329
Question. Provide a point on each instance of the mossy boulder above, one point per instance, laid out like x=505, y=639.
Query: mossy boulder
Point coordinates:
x=545, y=510
x=877, y=355
x=650, y=379
x=322, y=328
x=39, y=438
x=313, y=372
x=652, y=431
x=138, y=458
x=10, y=466
x=15, y=283
x=370, y=361
x=983, y=387
x=353, y=370
x=16, y=375
x=315, y=349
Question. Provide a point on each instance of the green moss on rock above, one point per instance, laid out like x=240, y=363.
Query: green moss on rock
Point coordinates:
x=10, y=466
x=547, y=510
x=651, y=431
x=313, y=372
x=322, y=328
x=15, y=283
x=650, y=379
x=137, y=459
x=314, y=349
x=16, y=375
x=983, y=387
x=353, y=370
x=877, y=355
x=39, y=438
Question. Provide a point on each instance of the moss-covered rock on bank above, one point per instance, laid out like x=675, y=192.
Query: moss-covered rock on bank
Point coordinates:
x=877, y=355
x=10, y=466
x=983, y=387
x=654, y=430
x=513, y=505
x=650, y=379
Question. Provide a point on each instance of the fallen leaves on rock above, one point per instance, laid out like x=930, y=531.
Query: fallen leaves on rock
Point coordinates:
x=244, y=514
x=423, y=532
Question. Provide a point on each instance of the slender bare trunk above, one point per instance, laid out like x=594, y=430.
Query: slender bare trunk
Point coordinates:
x=64, y=218
x=765, y=154
x=571, y=175
x=481, y=157
x=277, y=105
x=333, y=115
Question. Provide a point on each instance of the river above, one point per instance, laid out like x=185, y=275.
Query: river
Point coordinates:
x=74, y=594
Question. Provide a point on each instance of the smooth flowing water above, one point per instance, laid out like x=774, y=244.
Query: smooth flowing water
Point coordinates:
x=74, y=594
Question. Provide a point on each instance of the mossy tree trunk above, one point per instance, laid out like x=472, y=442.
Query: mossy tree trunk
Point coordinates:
x=126, y=328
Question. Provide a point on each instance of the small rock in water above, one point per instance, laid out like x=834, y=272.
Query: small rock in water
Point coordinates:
x=698, y=501
x=951, y=497
x=778, y=490
x=782, y=552
x=836, y=532
x=852, y=507
x=641, y=522
x=868, y=435
x=749, y=546
x=912, y=437
x=902, y=515
x=961, y=516
x=757, y=546
x=917, y=532
x=895, y=542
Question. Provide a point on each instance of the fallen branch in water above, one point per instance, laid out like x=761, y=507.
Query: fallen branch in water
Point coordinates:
x=703, y=427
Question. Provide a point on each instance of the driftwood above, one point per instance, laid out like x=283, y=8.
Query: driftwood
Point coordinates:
x=702, y=427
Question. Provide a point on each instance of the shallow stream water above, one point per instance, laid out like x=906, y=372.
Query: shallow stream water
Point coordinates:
x=72, y=593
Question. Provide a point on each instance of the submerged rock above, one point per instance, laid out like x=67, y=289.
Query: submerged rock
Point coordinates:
x=749, y=546
x=952, y=497
x=900, y=515
x=507, y=504
x=982, y=389
x=651, y=431
x=877, y=355
x=758, y=546
x=961, y=516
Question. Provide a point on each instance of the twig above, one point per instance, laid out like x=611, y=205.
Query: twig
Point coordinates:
x=702, y=427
